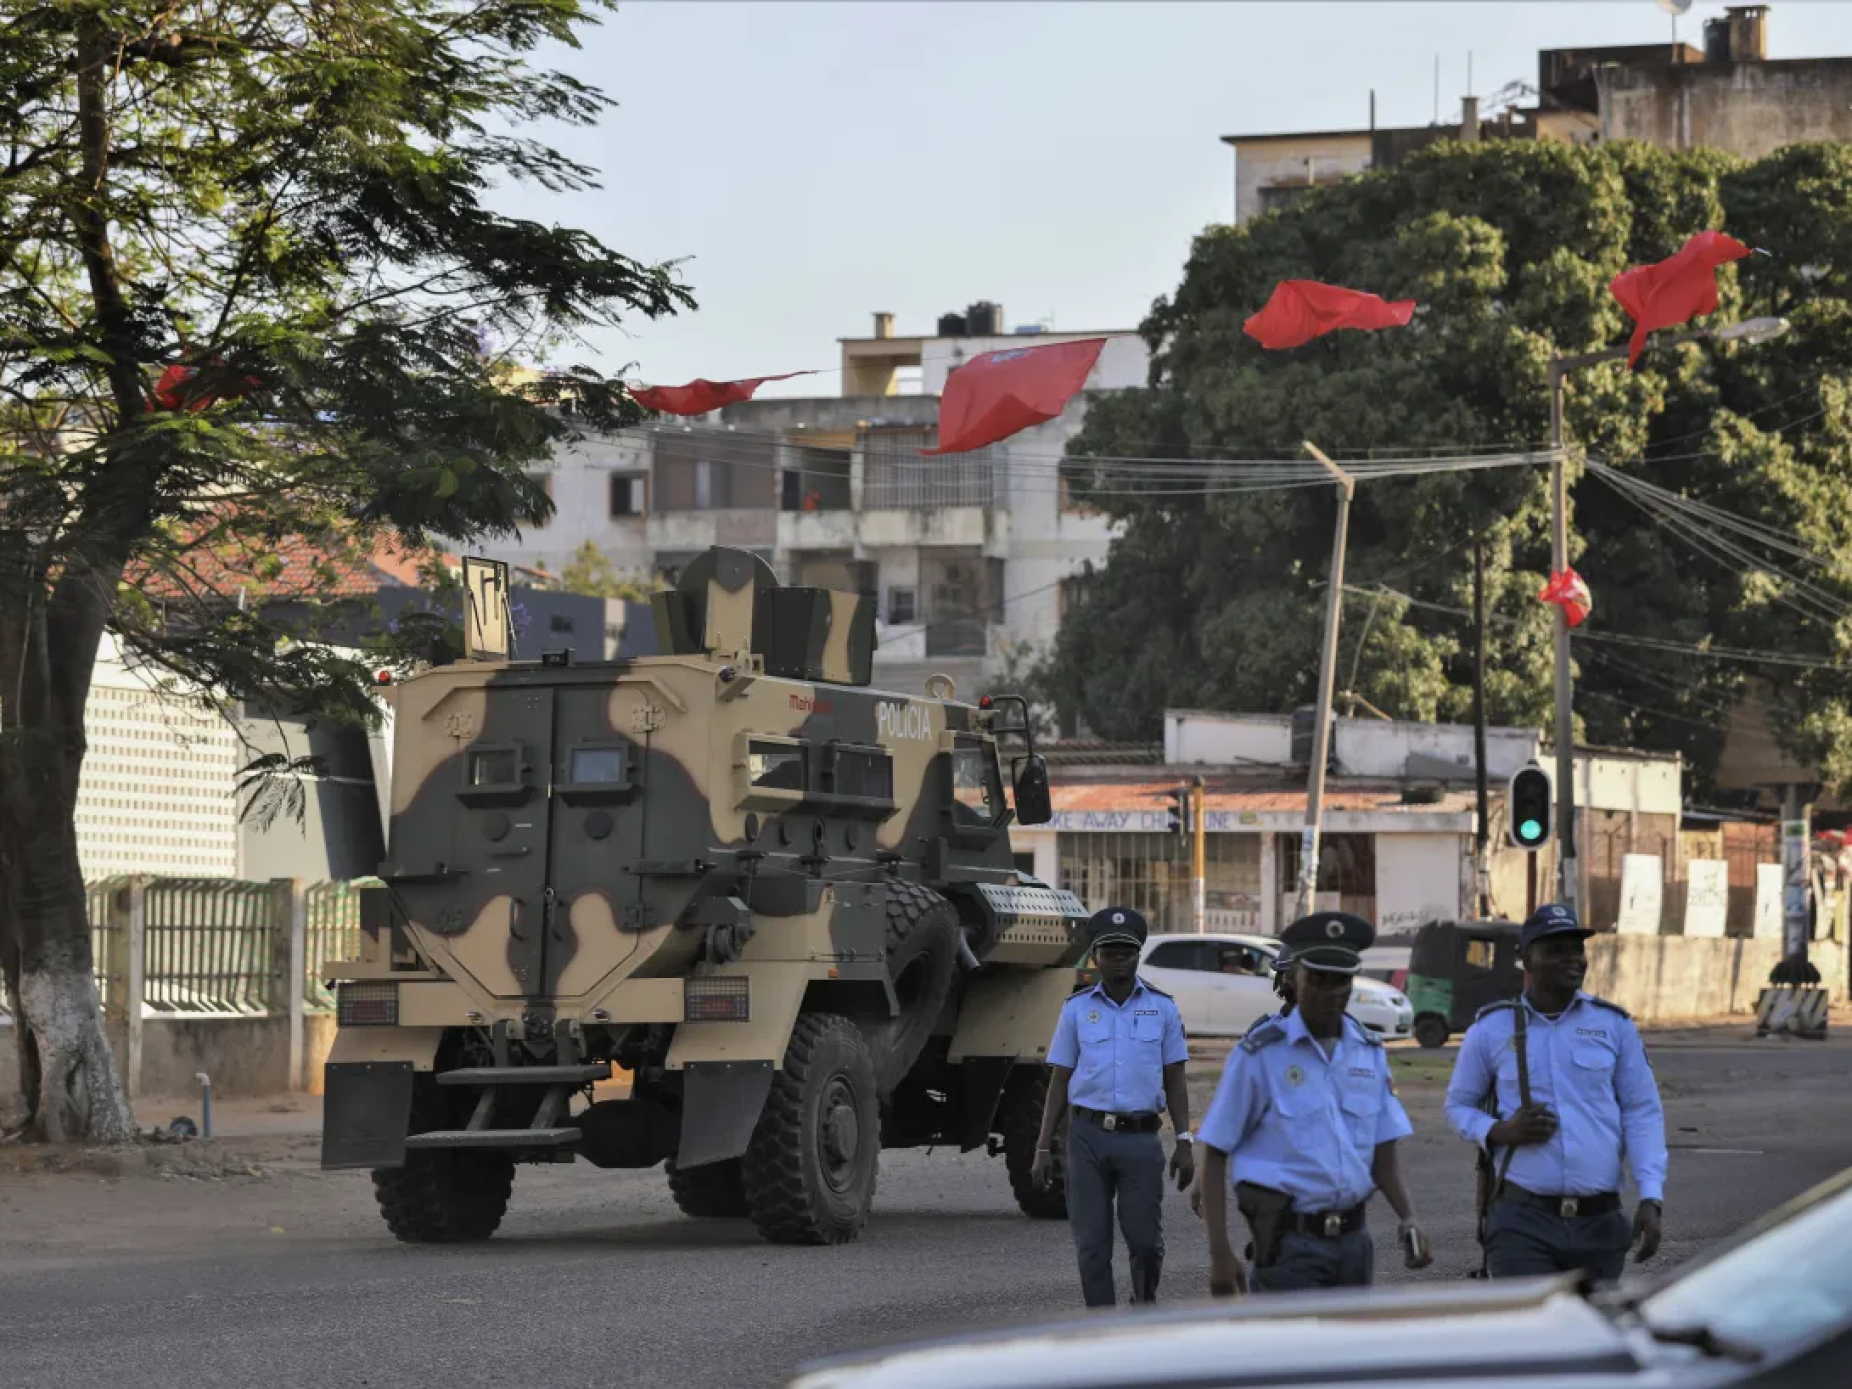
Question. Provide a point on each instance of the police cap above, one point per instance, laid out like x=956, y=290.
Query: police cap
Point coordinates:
x=1282, y=960
x=1330, y=941
x=1551, y=919
x=1117, y=926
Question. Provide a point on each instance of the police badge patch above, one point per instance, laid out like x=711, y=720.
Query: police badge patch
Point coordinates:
x=1294, y=1076
x=1094, y=1016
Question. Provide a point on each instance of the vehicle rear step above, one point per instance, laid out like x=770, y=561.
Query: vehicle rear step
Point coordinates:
x=527, y=1075
x=494, y=1138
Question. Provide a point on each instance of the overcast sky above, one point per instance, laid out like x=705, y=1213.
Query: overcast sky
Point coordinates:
x=814, y=163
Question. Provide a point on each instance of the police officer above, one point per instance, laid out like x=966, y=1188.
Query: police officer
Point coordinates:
x=1569, y=1073
x=1118, y=1057
x=1283, y=990
x=1308, y=1116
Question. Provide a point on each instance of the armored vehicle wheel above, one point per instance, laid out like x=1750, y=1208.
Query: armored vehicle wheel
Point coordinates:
x=922, y=957
x=1019, y=1119
x=809, y=1171
x=447, y=1196
x=711, y=1192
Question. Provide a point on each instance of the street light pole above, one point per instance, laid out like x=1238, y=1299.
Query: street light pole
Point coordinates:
x=1567, y=880
x=1749, y=331
x=1327, y=674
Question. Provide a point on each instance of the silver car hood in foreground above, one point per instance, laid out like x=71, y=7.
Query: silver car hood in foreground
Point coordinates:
x=1529, y=1334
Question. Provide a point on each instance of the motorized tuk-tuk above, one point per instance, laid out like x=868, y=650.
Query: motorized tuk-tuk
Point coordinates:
x=1455, y=969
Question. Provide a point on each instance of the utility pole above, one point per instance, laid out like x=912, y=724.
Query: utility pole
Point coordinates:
x=1482, y=868
x=1327, y=671
x=1199, y=877
x=1568, y=880
x=1750, y=331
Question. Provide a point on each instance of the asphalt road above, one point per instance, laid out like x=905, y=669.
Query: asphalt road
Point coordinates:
x=214, y=1276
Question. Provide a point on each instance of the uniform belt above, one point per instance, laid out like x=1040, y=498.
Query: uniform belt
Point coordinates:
x=1121, y=1123
x=1569, y=1206
x=1325, y=1224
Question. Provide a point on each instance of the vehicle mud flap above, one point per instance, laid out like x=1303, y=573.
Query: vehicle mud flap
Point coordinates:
x=984, y=1078
x=721, y=1103
x=366, y=1110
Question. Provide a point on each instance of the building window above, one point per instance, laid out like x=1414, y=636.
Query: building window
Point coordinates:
x=1346, y=870
x=710, y=485
x=626, y=494
x=901, y=606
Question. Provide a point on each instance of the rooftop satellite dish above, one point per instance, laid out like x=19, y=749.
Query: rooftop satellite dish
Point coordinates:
x=1674, y=8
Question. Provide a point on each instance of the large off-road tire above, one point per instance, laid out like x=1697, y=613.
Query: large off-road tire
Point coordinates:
x=711, y=1192
x=447, y=1196
x=922, y=957
x=809, y=1171
x=1019, y=1120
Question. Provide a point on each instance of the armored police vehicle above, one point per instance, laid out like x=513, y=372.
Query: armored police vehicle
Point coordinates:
x=779, y=903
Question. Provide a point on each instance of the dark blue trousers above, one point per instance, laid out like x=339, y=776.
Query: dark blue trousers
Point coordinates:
x=1107, y=1168
x=1523, y=1241
x=1311, y=1261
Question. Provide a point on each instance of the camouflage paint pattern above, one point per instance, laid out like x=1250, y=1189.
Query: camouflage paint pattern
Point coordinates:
x=569, y=834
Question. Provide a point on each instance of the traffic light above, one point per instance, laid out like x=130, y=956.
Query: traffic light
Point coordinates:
x=1177, y=817
x=1530, y=808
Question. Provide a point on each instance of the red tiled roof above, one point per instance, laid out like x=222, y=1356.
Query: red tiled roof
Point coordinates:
x=299, y=567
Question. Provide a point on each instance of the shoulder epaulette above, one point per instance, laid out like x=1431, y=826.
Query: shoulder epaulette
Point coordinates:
x=1491, y=1008
x=1362, y=1033
x=1263, y=1036
x=1611, y=1007
x=1153, y=988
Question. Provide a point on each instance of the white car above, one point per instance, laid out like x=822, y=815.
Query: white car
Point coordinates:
x=1223, y=985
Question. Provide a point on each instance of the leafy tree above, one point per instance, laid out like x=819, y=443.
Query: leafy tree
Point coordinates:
x=1216, y=600
x=592, y=574
x=246, y=267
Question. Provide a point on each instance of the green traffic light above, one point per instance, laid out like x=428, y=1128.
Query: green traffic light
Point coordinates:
x=1530, y=829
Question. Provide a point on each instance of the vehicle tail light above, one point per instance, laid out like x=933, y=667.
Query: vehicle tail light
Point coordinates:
x=717, y=998
x=367, y=1003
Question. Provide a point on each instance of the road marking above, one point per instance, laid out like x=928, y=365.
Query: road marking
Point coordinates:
x=1738, y=1152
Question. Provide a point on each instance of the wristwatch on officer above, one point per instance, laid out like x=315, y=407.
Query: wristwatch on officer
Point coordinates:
x=1186, y=1137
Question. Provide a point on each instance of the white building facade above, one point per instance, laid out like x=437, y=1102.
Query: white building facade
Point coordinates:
x=970, y=556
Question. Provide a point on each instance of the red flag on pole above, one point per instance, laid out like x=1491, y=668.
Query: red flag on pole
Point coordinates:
x=1676, y=289
x=1300, y=310
x=701, y=395
x=1569, y=591
x=995, y=394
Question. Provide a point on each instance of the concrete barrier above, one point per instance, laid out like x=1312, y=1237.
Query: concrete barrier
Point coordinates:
x=1687, y=978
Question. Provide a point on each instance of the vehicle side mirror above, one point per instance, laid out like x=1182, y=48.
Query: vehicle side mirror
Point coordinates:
x=1033, y=803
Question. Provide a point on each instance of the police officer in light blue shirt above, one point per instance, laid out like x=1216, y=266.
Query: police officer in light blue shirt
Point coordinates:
x=1588, y=1100
x=1118, y=1057
x=1307, y=1116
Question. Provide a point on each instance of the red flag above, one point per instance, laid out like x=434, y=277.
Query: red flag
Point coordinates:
x=701, y=395
x=1301, y=310
x=1675, y=290
x=1569, y=591
x=171, y=390
x=997, y=393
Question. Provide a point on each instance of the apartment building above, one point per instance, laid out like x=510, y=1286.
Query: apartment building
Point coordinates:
x=1726, y=94
x=971, y=556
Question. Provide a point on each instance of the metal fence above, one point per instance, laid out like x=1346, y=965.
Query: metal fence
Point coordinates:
x=217, y=947
x=331, y=932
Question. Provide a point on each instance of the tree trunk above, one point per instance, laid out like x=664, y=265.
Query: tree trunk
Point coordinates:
x=67, y=1072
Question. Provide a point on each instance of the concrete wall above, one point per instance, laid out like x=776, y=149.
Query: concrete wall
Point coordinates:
x=580, y=481
x=244, y=1056
x=1680, y=978
x=1271, y=161
x=1750, y=109
x=1421, y=877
